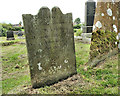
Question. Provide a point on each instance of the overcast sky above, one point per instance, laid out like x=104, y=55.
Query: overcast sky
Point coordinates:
x=11, y=10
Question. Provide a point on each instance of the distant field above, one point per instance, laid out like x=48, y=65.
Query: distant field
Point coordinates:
x=102, y=79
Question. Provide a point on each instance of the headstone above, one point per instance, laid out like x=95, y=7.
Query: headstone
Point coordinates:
x=105, y=32
x=90, y=7
x=20, y=33
x=50, y=45
x=10, y=35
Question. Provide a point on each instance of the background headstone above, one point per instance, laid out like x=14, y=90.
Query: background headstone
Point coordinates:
x=20, y=33
x=10, y=35
x=105, y=32
x=50, y=44
x=90, y=7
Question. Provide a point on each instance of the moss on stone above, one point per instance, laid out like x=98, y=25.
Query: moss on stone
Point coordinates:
x=102, y=42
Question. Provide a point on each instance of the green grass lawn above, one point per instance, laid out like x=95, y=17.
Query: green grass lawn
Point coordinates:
x=102, y=79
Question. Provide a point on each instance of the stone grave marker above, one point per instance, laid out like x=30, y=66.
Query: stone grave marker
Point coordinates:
x=10, y=35
x=50, y=45
x=20, y=33
x=104, y=42
x=90, y=7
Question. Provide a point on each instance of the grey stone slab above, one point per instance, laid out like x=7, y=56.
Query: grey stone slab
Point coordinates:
x=10, y=35
x=87, y=35
x=20, y=33
x=90, y=7
x=50, y=45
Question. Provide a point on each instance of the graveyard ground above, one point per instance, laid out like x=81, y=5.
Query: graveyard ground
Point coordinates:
x=102, y=79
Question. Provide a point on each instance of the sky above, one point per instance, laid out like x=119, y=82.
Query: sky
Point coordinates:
x=11, y=10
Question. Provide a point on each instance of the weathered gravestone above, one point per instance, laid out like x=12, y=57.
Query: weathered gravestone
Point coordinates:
x=50, y=44
x=90, y=7
x=10, y=35
x=105, y=32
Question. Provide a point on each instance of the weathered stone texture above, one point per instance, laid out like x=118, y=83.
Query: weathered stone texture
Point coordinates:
x=10, y=35
x=119, y=25
x=105, y=32
x=50, y=44
x=106, y=16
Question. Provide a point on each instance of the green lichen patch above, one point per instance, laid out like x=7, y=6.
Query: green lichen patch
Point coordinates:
x=102, y=43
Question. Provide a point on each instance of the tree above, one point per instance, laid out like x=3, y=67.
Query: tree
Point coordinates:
x=77, y=21
x=7, y=26
x=20, y=23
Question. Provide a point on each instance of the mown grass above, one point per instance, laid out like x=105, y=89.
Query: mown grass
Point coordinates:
x=4, y=42
x=77, y=32
x=11, y=83
x=102, y=79
x=14, y=64
x=15, y=55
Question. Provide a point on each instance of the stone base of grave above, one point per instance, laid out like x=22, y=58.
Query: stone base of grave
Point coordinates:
x=84, y=38
x=20, y=37
x=98, y=59
x=50, y=80
x=87, y=35
x=10, y=38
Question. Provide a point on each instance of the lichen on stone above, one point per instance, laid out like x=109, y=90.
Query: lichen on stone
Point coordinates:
x=102, y=42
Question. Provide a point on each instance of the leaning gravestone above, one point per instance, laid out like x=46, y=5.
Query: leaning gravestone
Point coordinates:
x=90, y=7
x=105, y=32
x=50, y=45
x=10, y=35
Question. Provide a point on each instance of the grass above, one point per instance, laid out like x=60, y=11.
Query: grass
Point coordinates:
x=102, y=79
x=82, y=53
x=11, y=83
x=5, y=42
x=77, y=32
x=14, y=63
x=22, y=29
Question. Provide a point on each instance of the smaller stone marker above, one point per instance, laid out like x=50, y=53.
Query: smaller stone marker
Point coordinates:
x=50, y=45
x=10, y=35
x=20, y=33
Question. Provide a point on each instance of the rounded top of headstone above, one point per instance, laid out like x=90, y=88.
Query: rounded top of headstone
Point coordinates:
x=56, y=9
x=43, y=10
